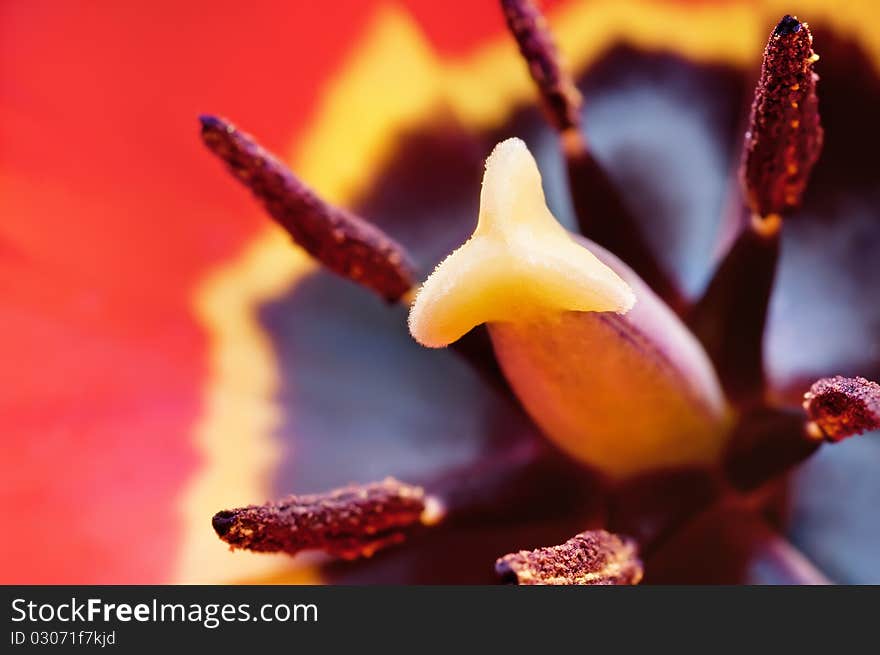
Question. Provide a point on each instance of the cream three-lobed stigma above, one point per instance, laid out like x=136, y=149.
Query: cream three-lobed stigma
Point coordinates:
x=519, y=263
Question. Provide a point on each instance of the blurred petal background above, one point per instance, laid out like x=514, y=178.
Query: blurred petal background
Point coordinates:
x=157, y=364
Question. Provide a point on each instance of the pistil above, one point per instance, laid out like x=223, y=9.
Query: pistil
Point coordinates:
x=781, y=146
x=580, y=338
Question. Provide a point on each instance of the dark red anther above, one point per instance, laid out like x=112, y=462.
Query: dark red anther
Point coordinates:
x=594, y=557
x=842, y=407
x=559, y=96
x=346, y=244
x=785, y=134
x=351, y=522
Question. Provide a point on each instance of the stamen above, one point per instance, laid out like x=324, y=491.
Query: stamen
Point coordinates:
x=589, y=558
x=351, y=522
x=559, y=96
x=343, y=242
x=781, y=146
x=842, y=407
x=785, y=134
x=769, y=442
x=600, y=208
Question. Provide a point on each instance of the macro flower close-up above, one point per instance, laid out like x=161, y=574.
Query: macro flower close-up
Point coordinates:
x=561, y=293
